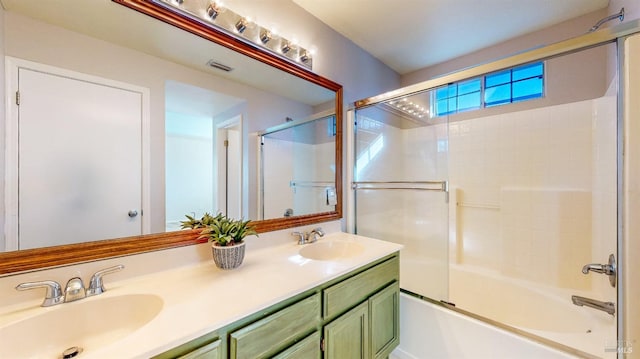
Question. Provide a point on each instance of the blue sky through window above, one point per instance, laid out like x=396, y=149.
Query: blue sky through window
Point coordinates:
x=508, y=86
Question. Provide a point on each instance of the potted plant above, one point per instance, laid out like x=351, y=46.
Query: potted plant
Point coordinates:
x=193, y=223
x=226, y=236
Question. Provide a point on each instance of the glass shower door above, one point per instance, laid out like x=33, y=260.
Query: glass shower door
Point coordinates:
x=401, y=194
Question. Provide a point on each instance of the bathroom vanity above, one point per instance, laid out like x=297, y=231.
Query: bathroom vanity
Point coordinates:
x=355, y=315
x=279, y=303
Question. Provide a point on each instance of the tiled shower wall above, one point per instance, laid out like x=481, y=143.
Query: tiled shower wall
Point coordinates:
x=534, y=191
x=293, y=161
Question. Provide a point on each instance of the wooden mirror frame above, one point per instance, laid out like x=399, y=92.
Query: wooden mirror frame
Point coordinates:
x=33, y=259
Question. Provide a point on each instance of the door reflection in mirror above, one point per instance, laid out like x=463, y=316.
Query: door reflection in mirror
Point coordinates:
x=203, y=139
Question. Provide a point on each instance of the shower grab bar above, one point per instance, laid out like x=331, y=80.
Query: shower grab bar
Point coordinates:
x=479, y=205
x=443, y=186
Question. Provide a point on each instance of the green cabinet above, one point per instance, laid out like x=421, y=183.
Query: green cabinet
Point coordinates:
x=370, y=330
x=209, y=351
x=308, y=348
x=353, y=316
x=266, y=337
x=384, y=321
x=348, y=336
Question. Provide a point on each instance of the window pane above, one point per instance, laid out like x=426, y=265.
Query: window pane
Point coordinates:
x=453, y=104
x=442, y=108
x=442, y=93
x=497, y=95
x=469, y=101
x=527, y=89
x=498, y=78
x=527, y=71
x=468, y=86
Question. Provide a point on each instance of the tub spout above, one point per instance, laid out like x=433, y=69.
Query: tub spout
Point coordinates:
x=608, y=307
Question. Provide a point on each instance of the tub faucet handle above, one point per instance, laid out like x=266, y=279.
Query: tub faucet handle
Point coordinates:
x=608, y=269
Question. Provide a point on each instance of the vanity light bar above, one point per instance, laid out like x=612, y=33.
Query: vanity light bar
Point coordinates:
x=409, y=108
x=215, y=14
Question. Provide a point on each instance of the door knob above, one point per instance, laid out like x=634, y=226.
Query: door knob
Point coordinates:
x=133, y=213
x=608, y=269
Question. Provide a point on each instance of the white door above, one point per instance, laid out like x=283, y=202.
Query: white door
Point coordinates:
x=80, y=160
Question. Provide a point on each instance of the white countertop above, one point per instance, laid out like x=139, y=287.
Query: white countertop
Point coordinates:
x=201, y=298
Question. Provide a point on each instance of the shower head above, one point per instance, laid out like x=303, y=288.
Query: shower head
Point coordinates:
x=619, y=15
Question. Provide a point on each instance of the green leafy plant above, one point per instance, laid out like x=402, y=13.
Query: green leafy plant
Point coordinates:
x=193, y=223
x=225, y=231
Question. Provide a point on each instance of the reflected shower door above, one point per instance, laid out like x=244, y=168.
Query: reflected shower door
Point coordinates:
x=401, y=193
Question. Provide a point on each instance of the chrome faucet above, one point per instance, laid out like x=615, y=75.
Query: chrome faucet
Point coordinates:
x=308, y=237
x=608, y=307
x=74, y=290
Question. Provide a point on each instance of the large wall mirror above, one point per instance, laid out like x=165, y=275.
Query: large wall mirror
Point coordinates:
x=129, y=120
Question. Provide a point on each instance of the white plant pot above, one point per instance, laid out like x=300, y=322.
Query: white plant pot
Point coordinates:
x=228, y=257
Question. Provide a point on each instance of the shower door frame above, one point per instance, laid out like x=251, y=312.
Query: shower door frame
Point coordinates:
x=610, y=35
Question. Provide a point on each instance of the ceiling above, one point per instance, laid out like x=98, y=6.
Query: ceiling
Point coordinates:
x=408, y=35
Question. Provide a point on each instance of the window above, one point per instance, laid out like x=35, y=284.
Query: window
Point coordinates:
x=517, y=84
x=458, y=97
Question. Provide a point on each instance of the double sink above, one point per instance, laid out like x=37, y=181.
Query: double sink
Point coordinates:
x=65, y=331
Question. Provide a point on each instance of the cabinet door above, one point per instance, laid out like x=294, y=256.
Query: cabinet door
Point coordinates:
x=348, y=335
x=384, y=321
x=209, y=351
x=307, y=348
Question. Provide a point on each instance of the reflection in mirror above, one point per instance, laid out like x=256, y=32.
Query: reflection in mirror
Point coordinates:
x=297, y=165
x=126, y=49
x=203, y=153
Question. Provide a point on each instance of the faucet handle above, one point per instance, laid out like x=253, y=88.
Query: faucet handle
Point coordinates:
x=301, y=237
x=609, y=269
x=96, y=286
x=313, y=235
x=54, y=291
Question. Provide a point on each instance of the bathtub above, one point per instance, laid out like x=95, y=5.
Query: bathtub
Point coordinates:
x=432, y=331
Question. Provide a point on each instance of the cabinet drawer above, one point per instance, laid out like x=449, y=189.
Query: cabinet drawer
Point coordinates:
x=346, y=294
x=277, y=331
x=209, y=351
x=307, y=348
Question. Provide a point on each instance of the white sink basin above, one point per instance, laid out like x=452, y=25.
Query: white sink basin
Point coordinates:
x=331, y=250
x=88, y=324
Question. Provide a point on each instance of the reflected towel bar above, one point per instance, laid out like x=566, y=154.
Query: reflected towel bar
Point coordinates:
x=311, y=184
x=443, y=186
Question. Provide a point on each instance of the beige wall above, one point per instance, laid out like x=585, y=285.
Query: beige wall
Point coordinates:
x=563, y=31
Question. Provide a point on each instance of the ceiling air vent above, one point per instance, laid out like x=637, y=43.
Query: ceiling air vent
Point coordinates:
x=219, y=66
